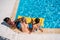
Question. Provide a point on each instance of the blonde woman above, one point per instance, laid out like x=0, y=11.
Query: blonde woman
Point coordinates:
x=24, y=25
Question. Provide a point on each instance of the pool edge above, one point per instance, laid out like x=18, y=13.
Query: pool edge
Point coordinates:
x=13, y=14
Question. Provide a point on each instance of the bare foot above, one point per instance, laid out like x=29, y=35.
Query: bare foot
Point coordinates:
x=41, y=30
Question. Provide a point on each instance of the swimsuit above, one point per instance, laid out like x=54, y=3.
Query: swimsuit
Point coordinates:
x=30, y=25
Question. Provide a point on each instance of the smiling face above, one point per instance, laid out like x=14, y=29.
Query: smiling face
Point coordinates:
x=8, y=20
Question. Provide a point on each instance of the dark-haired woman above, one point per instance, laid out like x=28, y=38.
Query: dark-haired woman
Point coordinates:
x=36, y=25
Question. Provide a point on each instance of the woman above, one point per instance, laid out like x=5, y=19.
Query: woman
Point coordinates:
x=10, y=22
x=24, y=25
x=36, y=25
x=13, y=24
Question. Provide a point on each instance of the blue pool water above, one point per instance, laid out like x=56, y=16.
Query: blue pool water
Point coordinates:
x=48, y=9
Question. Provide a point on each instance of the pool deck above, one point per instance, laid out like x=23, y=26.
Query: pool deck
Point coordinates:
x=14, y=10
x=45, y=31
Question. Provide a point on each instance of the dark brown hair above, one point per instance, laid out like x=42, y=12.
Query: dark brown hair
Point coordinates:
x=37, y=20
x=6, y=19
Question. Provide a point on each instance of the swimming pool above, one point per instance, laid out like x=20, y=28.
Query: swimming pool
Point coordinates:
x=48, y=9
